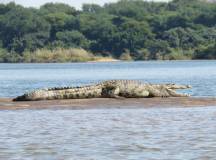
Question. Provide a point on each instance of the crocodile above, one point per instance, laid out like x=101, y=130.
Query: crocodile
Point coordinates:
x=107, y=89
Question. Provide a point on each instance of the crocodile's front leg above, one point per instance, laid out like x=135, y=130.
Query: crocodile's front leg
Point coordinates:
x=110, y=92
x=158, y=91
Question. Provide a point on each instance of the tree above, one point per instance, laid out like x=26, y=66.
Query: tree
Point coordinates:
x=92, y=8
x=136, y=29
x=57, y=21
x=17, y=23
x=72, y=39
x=49, y=8
x=132, y=35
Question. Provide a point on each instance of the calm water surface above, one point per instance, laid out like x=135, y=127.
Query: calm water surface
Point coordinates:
x=18, y=78
x=118, y=134
x=115, y=134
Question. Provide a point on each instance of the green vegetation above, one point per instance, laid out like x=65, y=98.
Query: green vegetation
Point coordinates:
x=127, y=30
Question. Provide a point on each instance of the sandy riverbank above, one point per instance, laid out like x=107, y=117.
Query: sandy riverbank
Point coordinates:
x=8, y=104
x=105, y=59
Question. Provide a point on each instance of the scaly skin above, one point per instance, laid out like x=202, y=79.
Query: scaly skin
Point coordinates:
x=107, y=89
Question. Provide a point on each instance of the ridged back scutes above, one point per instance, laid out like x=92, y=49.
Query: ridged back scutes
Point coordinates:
x=122, y=82
x=61, y=88
x=108, y=82
x=74, y=87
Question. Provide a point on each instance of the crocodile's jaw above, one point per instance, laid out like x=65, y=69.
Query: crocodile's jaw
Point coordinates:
x=177, y=86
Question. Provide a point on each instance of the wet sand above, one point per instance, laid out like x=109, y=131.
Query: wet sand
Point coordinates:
x=108, y=103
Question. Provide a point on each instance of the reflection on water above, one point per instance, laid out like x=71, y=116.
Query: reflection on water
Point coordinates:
x=173, y=133
x=18, y=78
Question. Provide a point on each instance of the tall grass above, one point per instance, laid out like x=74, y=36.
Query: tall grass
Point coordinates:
x=58, y=55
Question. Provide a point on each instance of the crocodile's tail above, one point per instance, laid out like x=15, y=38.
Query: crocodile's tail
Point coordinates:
x=62, y=93
x=40, y=94
x=21, y=98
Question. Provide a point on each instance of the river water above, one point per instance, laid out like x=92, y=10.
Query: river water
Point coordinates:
x=104, y=134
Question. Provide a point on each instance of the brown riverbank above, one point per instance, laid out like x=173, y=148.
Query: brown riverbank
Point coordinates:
x=8, y=104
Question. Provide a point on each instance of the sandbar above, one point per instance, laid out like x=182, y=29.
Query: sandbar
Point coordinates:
x=108, y=103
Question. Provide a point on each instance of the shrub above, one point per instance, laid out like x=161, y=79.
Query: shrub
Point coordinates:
x=2, y=54
x=126, y=56
x=206, y=52
x=178, y=54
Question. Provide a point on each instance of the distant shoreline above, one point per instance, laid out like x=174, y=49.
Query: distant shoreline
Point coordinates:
x=107, y=60
x=126, y=30
x=106, y=103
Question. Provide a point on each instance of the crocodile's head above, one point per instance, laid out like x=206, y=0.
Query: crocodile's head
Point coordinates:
x=177, y=86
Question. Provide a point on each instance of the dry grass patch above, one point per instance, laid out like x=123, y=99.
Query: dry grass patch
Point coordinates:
x=58, y=55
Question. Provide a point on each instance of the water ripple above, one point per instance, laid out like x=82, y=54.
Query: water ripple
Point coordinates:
x=165, y=133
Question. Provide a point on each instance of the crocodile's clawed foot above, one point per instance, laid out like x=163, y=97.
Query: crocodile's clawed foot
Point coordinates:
x=120, y=98
x=184, y=95
x=187, y=95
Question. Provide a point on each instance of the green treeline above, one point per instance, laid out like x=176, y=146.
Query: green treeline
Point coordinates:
x=128, y=30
